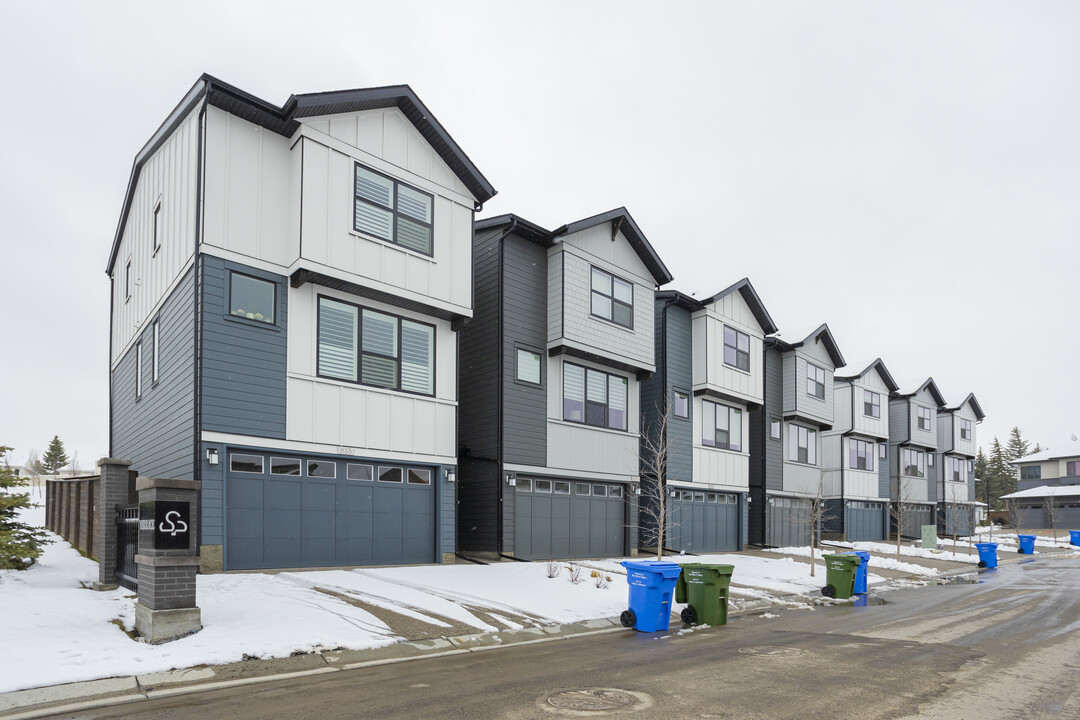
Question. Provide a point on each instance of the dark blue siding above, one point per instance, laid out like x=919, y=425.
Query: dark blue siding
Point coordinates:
x=243, y=361
x=679, y=364
x=524, y=307
x=157, y=431
x=478, y=363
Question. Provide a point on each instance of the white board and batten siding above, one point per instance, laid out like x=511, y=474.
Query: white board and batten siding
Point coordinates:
x=803, y=479
x=948, y=433
x=862, y=484
x=386, y=142
x=797, y=400
x=860, y=422
x=168, y=178
x=721, y=469
x=577, y=448
x=709, y=368
x=570, y=319
x=924, y=438
x=367, y=418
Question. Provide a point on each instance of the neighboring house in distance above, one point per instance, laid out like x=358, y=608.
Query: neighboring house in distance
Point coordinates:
x=955, y=465
x=798, y=408
x=551, y=366
x=856, y=452
x=708, y=377
x=287, y=287
x=913, y=451
x=1048, y=483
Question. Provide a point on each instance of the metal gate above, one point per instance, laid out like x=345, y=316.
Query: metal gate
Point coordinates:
x=700, y=521
x=127, y=545
x=788, y=522
x=865, y=521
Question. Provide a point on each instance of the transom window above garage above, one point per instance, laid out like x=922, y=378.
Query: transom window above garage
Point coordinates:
x=392, y=211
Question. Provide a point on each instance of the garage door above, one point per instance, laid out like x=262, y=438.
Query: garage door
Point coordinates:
x=958, y=517
x=285, y=512
x=702, y=521
x=564, y=519
x=865, y=521
x=915, y=516
x=1031, y=516
x=788, y=522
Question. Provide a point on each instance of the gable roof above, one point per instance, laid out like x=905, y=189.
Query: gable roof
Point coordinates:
x=284, y=121
x=970, y=398
x=619, y=217
x=909, y=389
x=821, y=332
x=1065, y=450
x=744, y=287
x=858, y=370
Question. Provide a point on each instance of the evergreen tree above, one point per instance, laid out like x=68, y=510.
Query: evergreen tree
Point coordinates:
x=1001, y=475
x=1037, y=449
x=982, y=471
x=1018, y=447
x=19, y=543
x=55, y=457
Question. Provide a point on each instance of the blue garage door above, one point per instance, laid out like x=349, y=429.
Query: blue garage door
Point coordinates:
x=865, y=521
x=289, y=512
x=565, y=519
x=700, y=521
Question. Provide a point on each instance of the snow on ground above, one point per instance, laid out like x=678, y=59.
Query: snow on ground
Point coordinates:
x=876, y=561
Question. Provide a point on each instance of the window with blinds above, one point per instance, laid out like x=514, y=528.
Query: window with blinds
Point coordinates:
x=721, y=426
x=375, y=348
x=391, y=211
x=594, y=397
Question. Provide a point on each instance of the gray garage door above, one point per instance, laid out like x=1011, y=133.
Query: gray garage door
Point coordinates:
x=959, y=517
x=284, y=511
x=1032, y=516
x=915, y=516
x=788, y=522
x=865, y=521
x=702, y=521
x=565, y=519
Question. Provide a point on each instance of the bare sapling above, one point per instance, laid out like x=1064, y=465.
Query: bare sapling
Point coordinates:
x=653, y=514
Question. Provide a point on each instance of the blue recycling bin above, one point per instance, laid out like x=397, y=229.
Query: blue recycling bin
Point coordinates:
x=861, y=571
x=1027, y=544
x=987, y=554
x=1074, y=537
x=652, y=584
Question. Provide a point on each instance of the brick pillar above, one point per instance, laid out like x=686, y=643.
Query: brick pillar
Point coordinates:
x=86, y=517
x=167, y=559
x=50, y=506
x=112, y=491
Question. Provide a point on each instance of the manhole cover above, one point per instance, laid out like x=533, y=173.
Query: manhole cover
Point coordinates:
x=770, y=651
x=591, y=700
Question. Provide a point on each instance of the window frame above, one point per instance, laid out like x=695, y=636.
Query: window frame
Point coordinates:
x=955, y=471
x=349, y=468
x=394, y=212
x=607, y=398
x=778, y=425
x=676, y=392
x=739, y=354
x=360, y=352
x=518, y=350
x=127, y=281
x=1072, y=468
x=230, y=313
x=795, y=435
x=919, y=409
x=861, y=451
x=155, y=352
x=332, y=465
x=871, y=402
x=1033, y=472
x=966, y=429
x=299, y=466
x=731, y=411
x=824, y=376
x=262, y=463
x=155, y=230
x=138, y=370
x=907, y=454
x=611, y=278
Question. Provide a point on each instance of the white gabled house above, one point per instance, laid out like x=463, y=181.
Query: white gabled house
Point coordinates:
x=287, y=287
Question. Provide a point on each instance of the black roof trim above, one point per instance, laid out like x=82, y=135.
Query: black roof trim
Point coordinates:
x=979, y=414
x=746, y=289
x=882, y=371
x=528, y=230
x=283, y=121
x=928, y=385
x=830, y=343
x=679, y=299
x=633, y=234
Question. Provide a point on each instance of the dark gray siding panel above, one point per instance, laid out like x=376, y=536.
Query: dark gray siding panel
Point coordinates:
x=883, y=471
x=774, y=449
x=524, y=312
x=446, y=509
x=243, y=362
x=478, y=503
x=679, y=365
x=651, y=390
x=478, y=362
x=157, y=431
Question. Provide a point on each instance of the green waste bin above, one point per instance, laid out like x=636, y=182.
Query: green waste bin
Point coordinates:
x=705, y=590
x=840, y=571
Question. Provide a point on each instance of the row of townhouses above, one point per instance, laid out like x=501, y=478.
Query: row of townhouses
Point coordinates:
x=307, y=318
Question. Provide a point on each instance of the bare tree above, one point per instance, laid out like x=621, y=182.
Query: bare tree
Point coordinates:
x=73, y=464
x=954, y=503
x=1053, y=513
x=818, y=515
x=652, y=511
x=1012, y=507
x=901, y=509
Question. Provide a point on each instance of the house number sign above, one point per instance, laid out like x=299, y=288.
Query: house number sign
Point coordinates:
x=170, y=523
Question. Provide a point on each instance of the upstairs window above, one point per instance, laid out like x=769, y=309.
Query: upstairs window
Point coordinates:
x=593, y=397
x=1072, y=469
x=528, y=366
x=924, y=418
x=155, y=354
x=913, y=462
x=774, y=429
x=127, y=281
x=252, y=298
x=860, y=454
x=965, y=429
x=612, y=298
x=815, y=381
x=1031, y=472
x=956, y=470
x=871, y=404
x=736, y=349
x=392, y=211
x=802, y=444
x=681, y=404
x=156, y=238
x=721, y=426
x=375, y=348
x=138, y=370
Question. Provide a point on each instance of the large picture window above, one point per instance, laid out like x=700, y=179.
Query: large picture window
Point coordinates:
x=860, y=454
x=871, y=404
x=1031, y=472
x=392, y=211
x=721, y=426
x=612, y=298
x=802, y=444
x=252, y=298
x=736, y=349
x=815, y=381
x=375, y=348
x=913, y=462
x=594, y=397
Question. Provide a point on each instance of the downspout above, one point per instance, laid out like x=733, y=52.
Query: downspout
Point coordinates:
x=500, y=480
x=112, y=308
x=661, y=483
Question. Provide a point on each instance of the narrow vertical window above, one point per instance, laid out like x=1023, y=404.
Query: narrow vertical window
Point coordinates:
x=681, y=404
x=155, y=354
x=127, y=281
x=157, y=229
x=138, y=370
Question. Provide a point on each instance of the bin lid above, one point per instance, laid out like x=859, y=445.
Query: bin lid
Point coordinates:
x=988, y=546
x=720, y=569
x=660, y=567
x=861, y=553
x=851, y=559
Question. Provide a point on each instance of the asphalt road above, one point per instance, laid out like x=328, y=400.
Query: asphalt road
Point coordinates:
x=1003, y=647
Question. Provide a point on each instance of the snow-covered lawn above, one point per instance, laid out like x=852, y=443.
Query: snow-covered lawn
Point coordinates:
x=878, y=560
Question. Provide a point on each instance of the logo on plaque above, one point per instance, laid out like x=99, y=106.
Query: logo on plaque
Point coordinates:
x=170, y=523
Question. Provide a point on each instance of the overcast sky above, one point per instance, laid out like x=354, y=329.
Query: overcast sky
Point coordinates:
x=907, y=172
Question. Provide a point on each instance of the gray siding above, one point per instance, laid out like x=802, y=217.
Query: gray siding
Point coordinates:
x=651, y=389
x=157, y=430
x=679, y=374
x=766, y=454
x=478, y=364
x=524, y=316
x=243, y=362
x=883, y=471
x=446, y=512
x=774, y=449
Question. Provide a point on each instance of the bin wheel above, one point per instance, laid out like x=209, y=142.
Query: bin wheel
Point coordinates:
x=982, y=564
x=688, y=616
x=1021, y=551
x=628, y=619
x=828, y=591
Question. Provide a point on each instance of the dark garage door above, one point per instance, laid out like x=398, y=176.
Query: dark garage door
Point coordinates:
x=565, y=519
x=788, y=522
x=284, y=512
x=865, y=520
x=915, y=516
x=703, y=521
